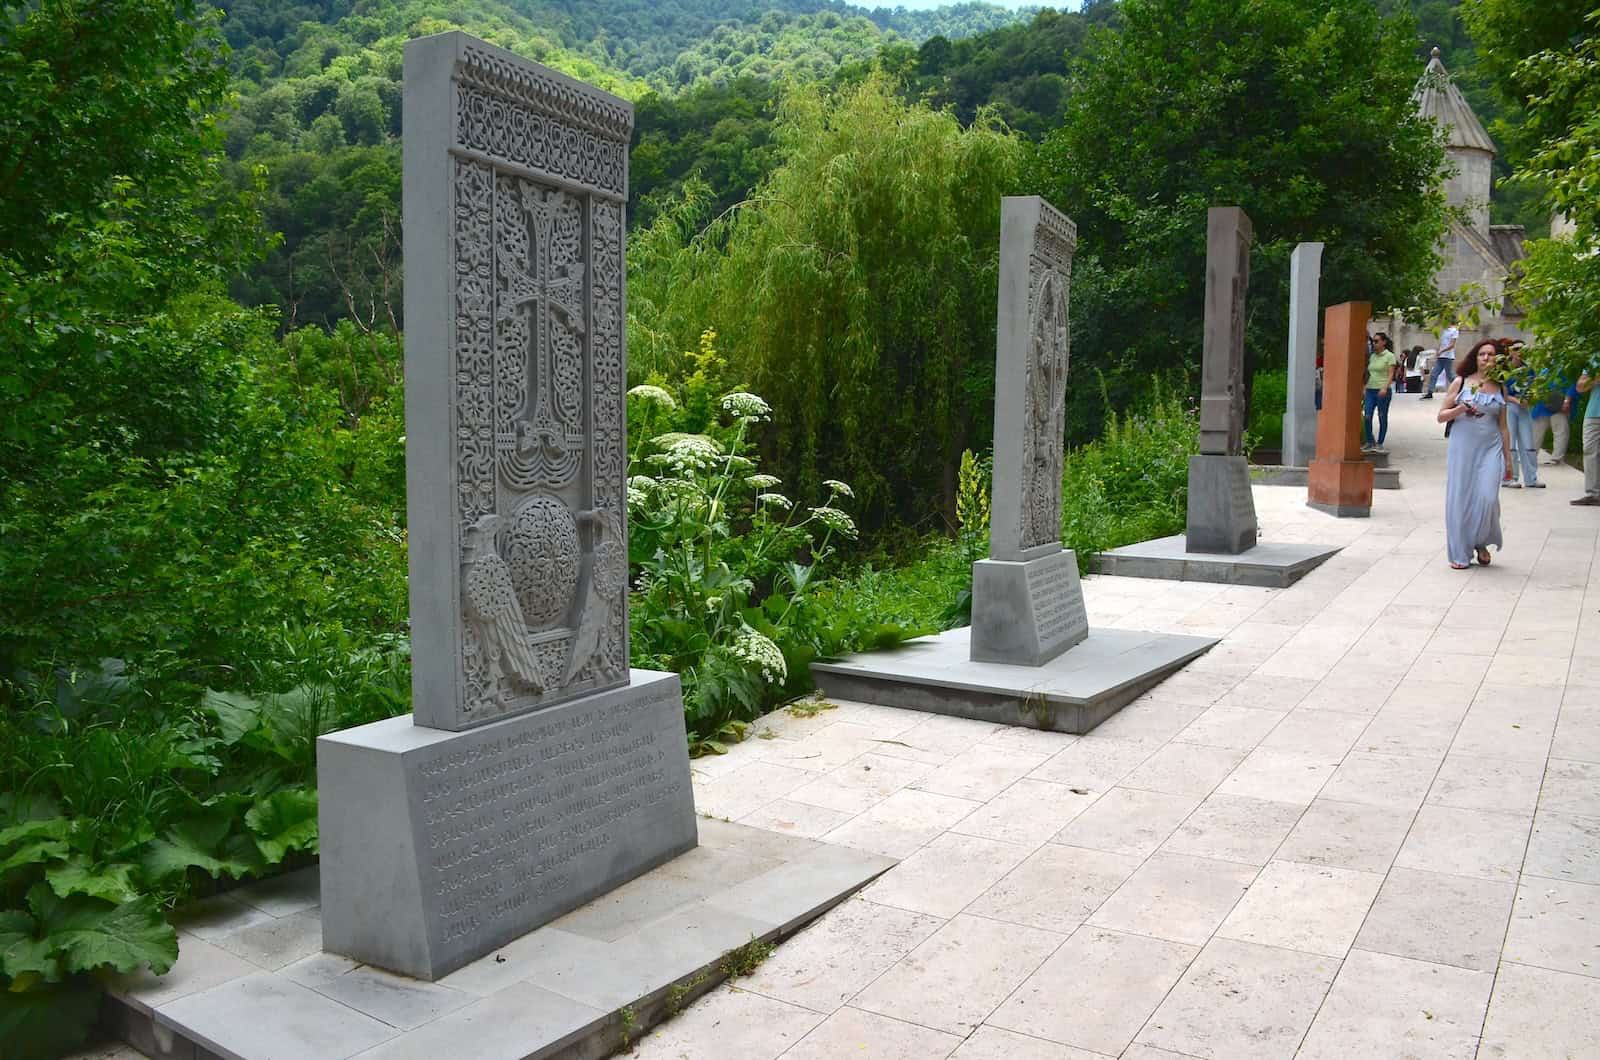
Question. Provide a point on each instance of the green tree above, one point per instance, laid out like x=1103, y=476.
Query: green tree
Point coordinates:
x=1297, y=111
x=860, y=282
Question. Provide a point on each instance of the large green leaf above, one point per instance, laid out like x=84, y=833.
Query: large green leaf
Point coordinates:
x=114, y=883
x=47, y=1022
x=195, y=843
x=93, y=934
x=237, y=714
x=34, y=842
x=283, y=821
x=20, y=952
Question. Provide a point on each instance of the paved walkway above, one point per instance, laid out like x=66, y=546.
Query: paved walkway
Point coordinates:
x=1366, y=825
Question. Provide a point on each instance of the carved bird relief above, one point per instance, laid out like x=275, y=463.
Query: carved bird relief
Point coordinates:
x=595, y=615
x=491, y=602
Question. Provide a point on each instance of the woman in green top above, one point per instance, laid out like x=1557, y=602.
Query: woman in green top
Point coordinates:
x=1381, y=367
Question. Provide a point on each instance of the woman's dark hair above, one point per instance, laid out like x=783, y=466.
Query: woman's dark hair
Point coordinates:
x=1387, y=343
x=1469, y=363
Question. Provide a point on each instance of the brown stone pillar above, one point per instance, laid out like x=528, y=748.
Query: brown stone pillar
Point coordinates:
x=1341, y=479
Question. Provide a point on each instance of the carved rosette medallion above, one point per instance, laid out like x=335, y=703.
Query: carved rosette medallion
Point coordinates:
x=1048, y=357
x=540, y=171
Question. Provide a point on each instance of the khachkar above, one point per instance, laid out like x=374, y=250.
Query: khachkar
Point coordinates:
x=1027, y=604
x=1300, y=416
x=1222, y=513
x=539, y=771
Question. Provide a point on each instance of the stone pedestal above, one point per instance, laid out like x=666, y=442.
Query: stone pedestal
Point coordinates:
x=439, y=846
x=1222, y=513
x=1300, y=415
x=1340, y=480
x=1026, y=613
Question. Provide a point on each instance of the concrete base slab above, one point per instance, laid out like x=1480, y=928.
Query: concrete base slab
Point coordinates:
x=1222, y=511
x=1383, y=478
x=581, y=986
x=1071, y=693
x=1273, y=564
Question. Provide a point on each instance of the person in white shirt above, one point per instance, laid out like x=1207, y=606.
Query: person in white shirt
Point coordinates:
x=1444, y=360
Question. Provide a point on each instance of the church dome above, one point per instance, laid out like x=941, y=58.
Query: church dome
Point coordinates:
x=1438, y=98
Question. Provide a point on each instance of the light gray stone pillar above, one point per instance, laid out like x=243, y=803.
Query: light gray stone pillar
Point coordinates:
x=540, y=771
x=1222, y=513
x=1027, y=604
x=1300, y=415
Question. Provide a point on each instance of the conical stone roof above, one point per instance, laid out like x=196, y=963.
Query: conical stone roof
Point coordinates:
x=1438, y=98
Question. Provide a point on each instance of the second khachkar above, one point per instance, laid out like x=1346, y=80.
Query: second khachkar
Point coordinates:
x=1027, y=605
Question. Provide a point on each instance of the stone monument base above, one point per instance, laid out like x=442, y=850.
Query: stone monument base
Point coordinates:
x=1026, y=612
x=1222, y=513
x=1384, y=478
x=1271, y=564
x=438, y=846
x=1072, y=693
x=1341, y=487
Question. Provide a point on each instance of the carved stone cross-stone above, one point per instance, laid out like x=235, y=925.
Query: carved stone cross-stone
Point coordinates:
x=1027, y=605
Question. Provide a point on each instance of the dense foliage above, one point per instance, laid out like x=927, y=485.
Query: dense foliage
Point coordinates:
x=1299, y=112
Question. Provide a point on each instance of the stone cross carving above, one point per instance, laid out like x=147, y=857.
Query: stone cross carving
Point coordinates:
x=1037, y=243
x=1228, y=236
x=1300, y=415
x=514, y=191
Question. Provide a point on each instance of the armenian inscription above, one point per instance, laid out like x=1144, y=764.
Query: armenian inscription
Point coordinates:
x=1057, y=597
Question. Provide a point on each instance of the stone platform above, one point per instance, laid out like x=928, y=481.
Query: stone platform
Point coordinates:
x=1271, y=564
x=1071, y=693
x=252, y=981
x=1384, y=478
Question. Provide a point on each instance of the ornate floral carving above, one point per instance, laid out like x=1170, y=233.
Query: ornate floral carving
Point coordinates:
x=543, y=559
x=508, y=130
x=1049, y=353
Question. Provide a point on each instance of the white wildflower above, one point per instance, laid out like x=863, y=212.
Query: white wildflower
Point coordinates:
x=759, y=651
x=739, y=463
x=642, y=482
x=835, y=520
x=637, y=498
x=764, y=482
x=746, y=406
x=841, y=488
x=693, y=453
x=653, y=395
x=776, y=500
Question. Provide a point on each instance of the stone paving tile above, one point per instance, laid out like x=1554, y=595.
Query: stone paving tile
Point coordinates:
x=1240, y=728
x=1400, y=733
x=1466, y=842
x=1282, y=776
x=1095, y=763
x=992, y=1043
x=1564, y=846
x=275, y=943
x=1028, y=812
x=1390, y=1006
x=1569, y=787
x=1556, y=924
x=1347, y=835
x=1504, y=785
x=1176, y=897
x=729, y=1022
x=1535, y=1012
x=1400, y=781
x=1235, y=828
x=795, y=818
x=852, y=1032
x=1184, y=769
x=903, y=823
x=1056, y=888
x=947, y=874
x=982, y=773
x=1241, y=1001
x=1111, y=981
x=861, y=783
x=1312, y=908
x=1128, y=821
x=1443, y=919
x=960, y=974
x=838, y=956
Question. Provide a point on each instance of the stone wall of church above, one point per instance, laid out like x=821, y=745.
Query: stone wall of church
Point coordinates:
x=1469, y=185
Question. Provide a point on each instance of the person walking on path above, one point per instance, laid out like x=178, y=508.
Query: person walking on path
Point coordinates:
x=1591, y=441
x=1477, y=459
x=1554, y=412
x=1381, y=369
x=1444, y=361
x=1519, y=424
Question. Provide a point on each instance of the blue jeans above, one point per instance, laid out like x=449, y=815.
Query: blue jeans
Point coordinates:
x=1524, y=457
x=1372, y=401
x=1443, y=368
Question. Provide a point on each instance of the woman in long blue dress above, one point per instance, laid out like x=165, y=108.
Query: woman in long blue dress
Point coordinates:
x=1477, y=459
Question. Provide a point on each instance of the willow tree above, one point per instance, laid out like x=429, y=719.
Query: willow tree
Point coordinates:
x=856, y=292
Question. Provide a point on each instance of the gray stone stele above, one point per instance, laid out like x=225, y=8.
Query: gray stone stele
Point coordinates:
x=438, y=846
x=1300, y=415
x=514, y=182
x=1027, y=604
x=1222, y=513
x=535, y=776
